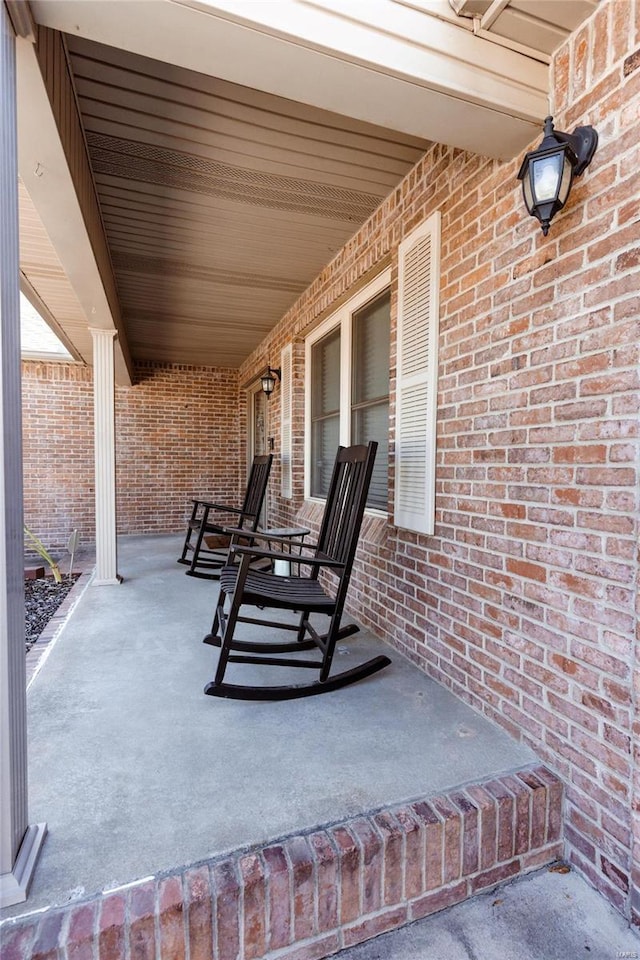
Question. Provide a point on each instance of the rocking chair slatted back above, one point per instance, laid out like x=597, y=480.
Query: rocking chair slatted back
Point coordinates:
x=255, y=493
x=346, y=499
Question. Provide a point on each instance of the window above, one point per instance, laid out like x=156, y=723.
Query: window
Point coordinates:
x=348, y=388
x=347, y=364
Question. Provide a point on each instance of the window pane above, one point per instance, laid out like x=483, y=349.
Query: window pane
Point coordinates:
x=372, y=423
x=325, y=375
x=325, y=440
x=325, y=410
x=371, y=351
x=370, y=389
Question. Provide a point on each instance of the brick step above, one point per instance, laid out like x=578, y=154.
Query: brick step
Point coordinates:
x=308, y=896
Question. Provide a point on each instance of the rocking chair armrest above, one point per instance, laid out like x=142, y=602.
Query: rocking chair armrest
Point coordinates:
x=262, y=535
x=246, y=532
x=224, y=507
x=276, y=555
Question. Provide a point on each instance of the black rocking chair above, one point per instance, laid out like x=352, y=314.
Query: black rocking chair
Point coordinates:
x=244, y=585
x=212, y=519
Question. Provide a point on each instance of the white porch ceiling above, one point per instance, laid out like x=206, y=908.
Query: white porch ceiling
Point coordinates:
x=417, y=71
x=235, y=146
x=220, y=203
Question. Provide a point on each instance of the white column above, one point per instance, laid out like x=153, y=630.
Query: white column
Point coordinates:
x=19, y=843
x=105, y=456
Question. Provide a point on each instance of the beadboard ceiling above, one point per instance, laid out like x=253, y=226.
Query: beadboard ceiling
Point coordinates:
x=220, y=203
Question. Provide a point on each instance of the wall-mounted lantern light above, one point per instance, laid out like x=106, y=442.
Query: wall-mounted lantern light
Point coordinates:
x=548, y=171
x=268, y=380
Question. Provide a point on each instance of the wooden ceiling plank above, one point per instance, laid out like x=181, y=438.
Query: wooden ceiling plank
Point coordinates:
x=204, y=326
x=218, y=205
x=163, y=98
x=239, y=227
x=249, y=95
x=322, y=169
x=236, y=249
x=251, y=255
x=249, y=147
x=180, y=296
x=239, y=241
x=186, y=291
x=215, y=219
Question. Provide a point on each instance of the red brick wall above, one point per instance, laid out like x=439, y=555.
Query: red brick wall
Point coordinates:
x=178, y=435
x=597, y=80
x=57, y=428
x=308, y=896
x=523, y=601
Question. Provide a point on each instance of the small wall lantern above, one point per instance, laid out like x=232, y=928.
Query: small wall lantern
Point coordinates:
x=548, y=171
x=268, y=380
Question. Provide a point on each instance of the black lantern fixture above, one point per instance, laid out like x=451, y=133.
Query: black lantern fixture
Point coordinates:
x=268, y=379
x=548, y=171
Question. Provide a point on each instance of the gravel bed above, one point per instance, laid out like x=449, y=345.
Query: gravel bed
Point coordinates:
x=42, y=597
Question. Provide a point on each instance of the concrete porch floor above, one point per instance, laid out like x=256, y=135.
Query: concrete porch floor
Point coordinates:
x=136, y=771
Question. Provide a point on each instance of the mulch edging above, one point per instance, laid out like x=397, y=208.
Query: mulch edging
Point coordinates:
x=42, y=597
x=49, y=635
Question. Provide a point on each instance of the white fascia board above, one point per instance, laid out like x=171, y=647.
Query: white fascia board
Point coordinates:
x=438, y=50
x=46, y=176
x=388, y=37
x=402, y=69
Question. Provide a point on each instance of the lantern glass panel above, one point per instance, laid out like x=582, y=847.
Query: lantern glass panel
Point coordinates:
x=567, y=175
x=527, y=191
x=546, y=174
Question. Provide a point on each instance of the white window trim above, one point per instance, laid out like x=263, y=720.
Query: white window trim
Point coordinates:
x=286, y=422
x=251, y=439
x=340, y=318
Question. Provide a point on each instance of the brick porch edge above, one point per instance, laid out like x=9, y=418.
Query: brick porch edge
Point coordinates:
x=308, y=896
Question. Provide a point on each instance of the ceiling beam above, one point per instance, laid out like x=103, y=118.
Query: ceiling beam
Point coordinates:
x=21, y=19
x=55, y=170
x=488, y=19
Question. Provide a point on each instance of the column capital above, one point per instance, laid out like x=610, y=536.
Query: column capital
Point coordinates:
x=99, y=333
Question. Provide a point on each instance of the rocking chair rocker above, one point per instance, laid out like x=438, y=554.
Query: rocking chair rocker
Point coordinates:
x=243, y=586
x=209, y=519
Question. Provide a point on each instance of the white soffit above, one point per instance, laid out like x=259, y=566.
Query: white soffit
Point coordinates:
x=37, y=339
x=46, y=285
x=416, y=71
x=541, y=25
